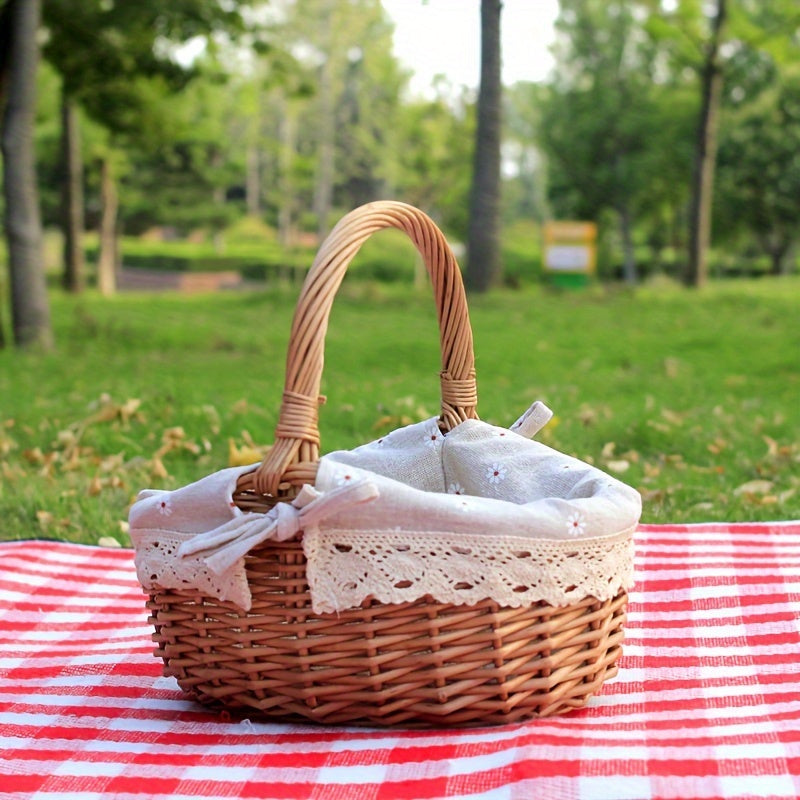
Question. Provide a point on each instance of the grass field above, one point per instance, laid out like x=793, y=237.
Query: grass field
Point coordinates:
x=691, y=397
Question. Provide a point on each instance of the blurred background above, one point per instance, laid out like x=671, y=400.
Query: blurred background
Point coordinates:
x=620, y=181
x=221, y=136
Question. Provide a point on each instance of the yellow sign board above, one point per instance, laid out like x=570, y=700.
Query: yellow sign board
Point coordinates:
x=570, y=246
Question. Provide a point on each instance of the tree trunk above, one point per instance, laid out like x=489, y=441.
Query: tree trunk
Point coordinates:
x=705, y=155
x=323, y=187
x=778, y=250
x=72, y=197
x=626, y=231
x=253, y=182
x=109, y=206
x=30, y=309
x=483, y=237
x=285, y=158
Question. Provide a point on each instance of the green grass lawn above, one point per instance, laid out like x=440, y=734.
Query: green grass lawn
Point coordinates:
x=691, y=397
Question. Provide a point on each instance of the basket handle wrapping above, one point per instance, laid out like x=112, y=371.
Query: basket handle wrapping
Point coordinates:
x=297, y=432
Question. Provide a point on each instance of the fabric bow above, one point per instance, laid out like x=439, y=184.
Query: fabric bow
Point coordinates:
x=224, y=546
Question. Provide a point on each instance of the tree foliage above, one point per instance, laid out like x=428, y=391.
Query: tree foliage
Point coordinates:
x=620, y=121
x=294, y=111
x=760, y=170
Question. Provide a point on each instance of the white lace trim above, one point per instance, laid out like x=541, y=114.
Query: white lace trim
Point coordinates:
x=158, y=566
x=573, y=524
x=345, y=567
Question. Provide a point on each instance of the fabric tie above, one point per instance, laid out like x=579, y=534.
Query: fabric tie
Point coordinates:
x=533, y=420
x=224, y=546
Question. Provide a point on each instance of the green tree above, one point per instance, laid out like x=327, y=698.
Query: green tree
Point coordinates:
x=112, y=58
x=602, y=120
x=706, y=149
x=706, y=40
x=347, y=125
x=525, y=190
x=759, y=170
x=434, y=145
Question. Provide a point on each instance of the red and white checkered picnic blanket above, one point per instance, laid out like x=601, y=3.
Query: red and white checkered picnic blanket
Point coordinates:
x=706, y=705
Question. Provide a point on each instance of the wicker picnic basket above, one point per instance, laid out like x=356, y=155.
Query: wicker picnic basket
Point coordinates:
x=422, y=663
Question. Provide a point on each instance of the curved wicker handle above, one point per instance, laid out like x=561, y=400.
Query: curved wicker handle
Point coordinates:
x=297, y=433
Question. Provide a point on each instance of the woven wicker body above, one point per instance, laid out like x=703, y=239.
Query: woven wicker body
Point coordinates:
x=413, y=664
x=422, y=663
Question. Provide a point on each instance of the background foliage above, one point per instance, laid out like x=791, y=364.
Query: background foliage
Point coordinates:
x=296, y=111
x=235, y=134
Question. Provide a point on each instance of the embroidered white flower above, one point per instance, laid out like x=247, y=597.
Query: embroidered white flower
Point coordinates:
x=343, y=479
x=164, y=506
x=455, y=488
x=576, y=524
x=432, y=436
x=496, y=473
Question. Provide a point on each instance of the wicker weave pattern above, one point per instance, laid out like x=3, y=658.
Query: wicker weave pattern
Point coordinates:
x=413, y=664
x=421, y=663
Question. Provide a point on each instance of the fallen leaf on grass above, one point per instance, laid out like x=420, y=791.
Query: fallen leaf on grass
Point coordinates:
x=97, y=484
x=651, y=470
x=242, y=456
x=240, y=407
x=248, y=453
x=754, y=487
x=11, y=473
x=213, y=419
x=108, y=541
x=672, y=417
x=128, y=409
x=7, y=444
x=619, y=465
x=112, y=463
x=45, y=519
x=661, y=427
x=34, y=455
x=390, y=421
x=66, y=439
x=717, y=446
x=777, y=450
x=108, y=410
x=671, y=367
x=157, y=469
x=175, y=439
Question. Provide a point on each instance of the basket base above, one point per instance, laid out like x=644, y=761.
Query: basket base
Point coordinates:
x=420, y=664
